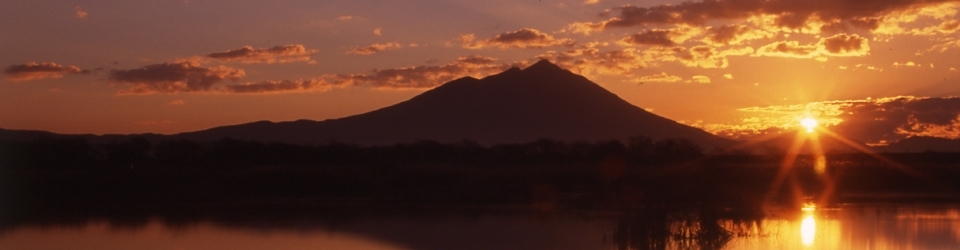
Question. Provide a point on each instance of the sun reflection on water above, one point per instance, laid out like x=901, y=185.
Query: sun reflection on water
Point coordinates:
x=808, y=226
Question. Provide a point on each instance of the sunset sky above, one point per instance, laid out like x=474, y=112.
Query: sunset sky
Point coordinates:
x=876, y=70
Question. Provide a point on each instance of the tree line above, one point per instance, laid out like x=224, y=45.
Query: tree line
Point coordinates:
x=77, y=153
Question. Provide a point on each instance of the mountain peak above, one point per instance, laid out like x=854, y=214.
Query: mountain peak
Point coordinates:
x=514, y=106
x=543, y=65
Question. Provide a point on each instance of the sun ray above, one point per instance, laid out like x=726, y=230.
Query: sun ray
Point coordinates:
x=786, y=165
x=887, y=161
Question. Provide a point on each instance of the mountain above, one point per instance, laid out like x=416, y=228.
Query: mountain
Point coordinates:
x=922, y=144
x=803, y=143
x=517, y=105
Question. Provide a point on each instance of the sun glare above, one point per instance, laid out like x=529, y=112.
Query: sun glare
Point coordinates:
x=809, y=123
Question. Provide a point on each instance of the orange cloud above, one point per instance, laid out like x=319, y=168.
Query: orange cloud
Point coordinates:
x=708, y=57
x=699, y=79
x=591, y=62
x=80, y=12
x=423, y=76
x=662, y=77
x=943, y=47
x=733, y=34
x=946, y=11
x=373, y=48
x=169, y=78
x=949, y=26
x=183, y=77
x=836, y=14
x=844, y=45
x=837, y=45
x=525, y=38
x=35, y=71
x=788, y=49
x=656, y=37
x=585, y=28
x=279, y=86
x=838, y=26
x=276, y=54
x=906, y=64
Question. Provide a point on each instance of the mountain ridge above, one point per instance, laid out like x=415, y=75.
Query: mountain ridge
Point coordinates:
x=514, y=106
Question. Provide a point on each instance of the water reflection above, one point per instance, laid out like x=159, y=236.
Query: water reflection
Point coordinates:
x=808, y=230
x=684, y=228
x=651, y=227
x=159, y=235
x=808, y=226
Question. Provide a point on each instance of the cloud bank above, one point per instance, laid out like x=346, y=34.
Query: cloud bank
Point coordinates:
x=170, y=78
x=276, y=54
x=192, y=77
x=36, y=71
x=873, y=121
x=525, y=38
x=841, y=45
x=787, y=14
x=374, y=48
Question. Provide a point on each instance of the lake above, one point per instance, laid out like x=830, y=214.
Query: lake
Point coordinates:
x=848, y=226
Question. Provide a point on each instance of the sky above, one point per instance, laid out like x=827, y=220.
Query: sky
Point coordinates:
x=878, y=71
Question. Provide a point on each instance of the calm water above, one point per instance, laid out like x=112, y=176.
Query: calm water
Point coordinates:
x=841, y=227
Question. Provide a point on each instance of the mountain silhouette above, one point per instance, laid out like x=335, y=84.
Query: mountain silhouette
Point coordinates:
x=922, y=144
x=514, y=106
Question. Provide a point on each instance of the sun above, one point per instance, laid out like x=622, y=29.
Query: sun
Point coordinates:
x=809, y=123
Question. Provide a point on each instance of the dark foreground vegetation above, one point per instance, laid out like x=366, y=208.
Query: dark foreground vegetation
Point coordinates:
x=647, y=181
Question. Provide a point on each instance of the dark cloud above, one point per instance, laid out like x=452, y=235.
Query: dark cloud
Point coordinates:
x=837, y=45
x=840, y=26
x=873, y=121
x=845, y=45
x=949, y=26
x=424, y=76
x=373, y=48
x=525, y=38
x=175, y=77
x=189, y=76
x=892, y=119
x=655, y=37
x=276, y=54
x=792, y=14
x=732, y=34
x=279, y=86
x=788, y=49
x=45, y=70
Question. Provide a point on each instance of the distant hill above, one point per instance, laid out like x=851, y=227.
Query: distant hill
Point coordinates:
x=922, y=144
x=517, y=105
x=803, y=143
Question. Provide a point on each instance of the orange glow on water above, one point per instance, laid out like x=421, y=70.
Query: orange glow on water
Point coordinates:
x=808, y=230
x=808, y=226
